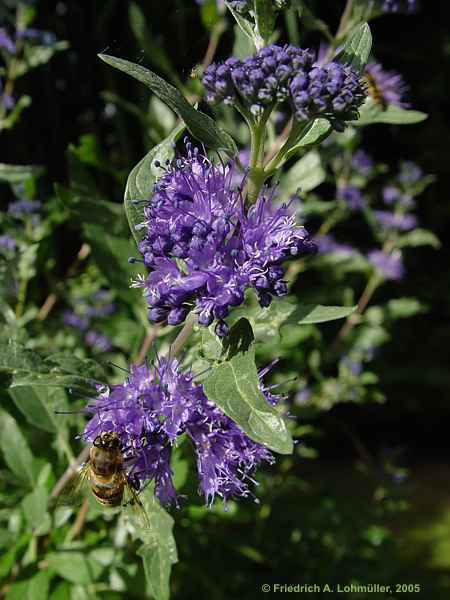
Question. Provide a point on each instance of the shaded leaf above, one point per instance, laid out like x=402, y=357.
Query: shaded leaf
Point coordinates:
x=142, y=178
x=200, y=125
x=35, y=588
x=16, y=451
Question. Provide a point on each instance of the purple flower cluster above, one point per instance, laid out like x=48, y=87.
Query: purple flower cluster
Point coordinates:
x=352, y=196
x=99, y=306
x=21, y=208
x=390, y=265
x=410, y=173
x=399, y=6
x=98, y=341
x=6, y=42
x=157, y=404
x=400, y=222
x=8, y=243
x=204, y=248
x=393, y=195
x=362, y=162
x=389, y=86
x=277, y=74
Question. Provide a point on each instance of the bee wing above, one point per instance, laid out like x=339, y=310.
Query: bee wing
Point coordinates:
x=74, y=492
x=131, y=499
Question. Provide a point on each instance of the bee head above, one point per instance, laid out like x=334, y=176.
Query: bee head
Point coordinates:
x=108, y=440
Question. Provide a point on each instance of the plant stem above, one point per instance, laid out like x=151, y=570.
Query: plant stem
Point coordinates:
x=372, y=285
x=293, y=138
x=256, y=176
x=342, y=30
x=182, y=337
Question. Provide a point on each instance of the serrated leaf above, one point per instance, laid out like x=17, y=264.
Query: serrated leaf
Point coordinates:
x=305, y=175
x=200, y=125
x=418, y=237
x=38, y=404
x=234, y=387
x=370, y=113
x=16, y=451
x=159, y=550
x=356, y=49
x=18, y=173
x=142, y=178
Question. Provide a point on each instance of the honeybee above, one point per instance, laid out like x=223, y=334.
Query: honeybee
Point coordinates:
x=104, y=472
x=374, y=91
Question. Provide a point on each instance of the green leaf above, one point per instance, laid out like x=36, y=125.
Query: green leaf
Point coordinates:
x=111, y=253
x=16, y=451
x=305, y=175
x=404, y=308
x=243, y=45
x=73, y=566
x=68, y=363
x=312, y=135
x=200, y=125
x=264, y=20
x=356, y=49
x=269, y=321
x=142, y=178
x=159, y=550
x=35, y=588
x=38, y=404
x=244, y=25
x=234, y=387
x=370, y=112
x=18, y=173
x=14, y=356
x=35, y=508
x=419, y=237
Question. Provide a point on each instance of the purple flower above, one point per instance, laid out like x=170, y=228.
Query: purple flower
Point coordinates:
x=277, y=74
x=352, y=196
x=6, y=42
x=390, y=194
x=98, y=341
x=388, y=87
x=205, y=249
x=389, y=220
x=399, y=6
x=327, y=244
x=153, y=407
x=390, y=265
x=362, y=162
x=409, y=172
x=8, y=243
x=71, y=319
x=20, y=208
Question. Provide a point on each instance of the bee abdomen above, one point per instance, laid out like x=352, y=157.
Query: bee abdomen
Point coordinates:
x=108, y=495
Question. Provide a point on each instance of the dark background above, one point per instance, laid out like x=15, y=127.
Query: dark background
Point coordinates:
x=67, y=102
